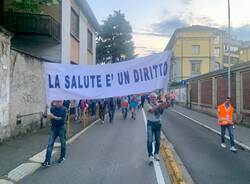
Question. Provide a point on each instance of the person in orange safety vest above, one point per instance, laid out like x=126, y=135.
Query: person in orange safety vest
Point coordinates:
x=225, y=120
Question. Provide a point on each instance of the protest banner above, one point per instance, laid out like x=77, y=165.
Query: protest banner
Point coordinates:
x=140, y=75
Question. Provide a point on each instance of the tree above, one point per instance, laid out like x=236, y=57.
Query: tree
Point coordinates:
x=31, y=6
x=114, y=42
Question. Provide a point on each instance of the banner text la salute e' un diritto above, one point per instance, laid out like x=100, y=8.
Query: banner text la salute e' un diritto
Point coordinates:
x=136, y=76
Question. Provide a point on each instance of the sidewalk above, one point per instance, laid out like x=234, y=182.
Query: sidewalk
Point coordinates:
x=18, y=150
x=242, y=134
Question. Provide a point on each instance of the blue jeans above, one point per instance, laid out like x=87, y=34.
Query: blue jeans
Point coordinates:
x=231, y=133
x=153, y=128
x=55, y=132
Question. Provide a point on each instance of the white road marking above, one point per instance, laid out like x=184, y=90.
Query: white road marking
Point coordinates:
x=157, y=167
x=213, y=130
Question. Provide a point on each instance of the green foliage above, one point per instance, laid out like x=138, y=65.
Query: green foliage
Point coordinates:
x=30, y=6
x=114, y=42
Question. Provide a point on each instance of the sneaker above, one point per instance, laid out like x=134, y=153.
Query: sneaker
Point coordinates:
x=157, y=158
x=150, y=160
x=102, y=122
x=233, y=149
x=45, y=164
x=61, y=160
x=223, y=145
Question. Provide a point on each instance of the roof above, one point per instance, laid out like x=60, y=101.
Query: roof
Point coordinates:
x=195, y=28
x=89, y=14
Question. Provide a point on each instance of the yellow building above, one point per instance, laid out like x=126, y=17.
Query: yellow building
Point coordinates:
x=245, y=54
x=196, y=50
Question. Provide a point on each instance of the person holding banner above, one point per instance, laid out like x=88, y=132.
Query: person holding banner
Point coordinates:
x=154, y=110
x=58, y=120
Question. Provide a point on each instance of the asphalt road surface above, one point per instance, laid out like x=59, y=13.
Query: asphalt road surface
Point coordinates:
x=104, y=154
x=200, y=151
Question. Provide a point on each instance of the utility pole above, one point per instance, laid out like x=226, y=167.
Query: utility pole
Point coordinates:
x=229, y=53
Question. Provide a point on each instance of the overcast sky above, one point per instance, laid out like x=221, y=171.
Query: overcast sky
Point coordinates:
x=154, y=21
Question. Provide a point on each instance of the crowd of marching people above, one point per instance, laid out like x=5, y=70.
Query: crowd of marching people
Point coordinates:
x=127, y=105
x=131, y=103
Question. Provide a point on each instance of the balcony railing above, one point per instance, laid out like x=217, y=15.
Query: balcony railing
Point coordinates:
x=26, y=23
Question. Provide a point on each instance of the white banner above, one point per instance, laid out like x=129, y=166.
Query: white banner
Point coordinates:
x=140, y=75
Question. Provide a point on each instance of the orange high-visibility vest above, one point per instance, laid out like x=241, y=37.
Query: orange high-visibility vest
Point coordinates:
x=225, y=115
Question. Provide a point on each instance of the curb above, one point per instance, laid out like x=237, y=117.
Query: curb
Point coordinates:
x=176, y=169
x=243, y=146
x=34, y=163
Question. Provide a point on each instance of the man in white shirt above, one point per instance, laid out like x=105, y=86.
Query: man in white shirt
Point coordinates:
x=154, y=110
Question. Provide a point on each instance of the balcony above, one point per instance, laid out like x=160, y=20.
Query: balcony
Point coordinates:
x=34, y=24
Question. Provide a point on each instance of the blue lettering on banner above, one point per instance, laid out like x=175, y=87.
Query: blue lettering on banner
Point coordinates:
x=155, y=68
x=141, y=74
x=67, y=83
x=145, y=72
x=165, y=68
x=73, y=82
x=108, y=83
x=57, y=82
x=50, y=84
x=126, y=77
x=79, y=82
x=136, y=75
x=92, y=77
x=120, y=78
x=99, y=81
x=86, y=81
x=160, y=66
x=151, y=73
x=123, y=78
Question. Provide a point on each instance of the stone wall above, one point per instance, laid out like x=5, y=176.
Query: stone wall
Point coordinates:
x=4, y=83
x=22, y=90
x=27, y=94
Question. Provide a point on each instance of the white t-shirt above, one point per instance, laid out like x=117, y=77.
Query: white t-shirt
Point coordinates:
x=152, y=116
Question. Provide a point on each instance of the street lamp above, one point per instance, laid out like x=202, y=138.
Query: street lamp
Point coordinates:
x=229, y=53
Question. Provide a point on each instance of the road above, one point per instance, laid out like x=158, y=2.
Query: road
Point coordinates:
x=200, y=151
x=104, y=154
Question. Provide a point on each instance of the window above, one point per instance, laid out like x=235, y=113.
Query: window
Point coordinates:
x=90, y=41
x=217, y=39
x=74, y=49
x=74, y=24
x=195, y=67
x=195, y=49
x=217, y=51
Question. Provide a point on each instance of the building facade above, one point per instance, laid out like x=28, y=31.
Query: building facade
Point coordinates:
x=245, y=54
x=62, y=32
x=199, y=49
